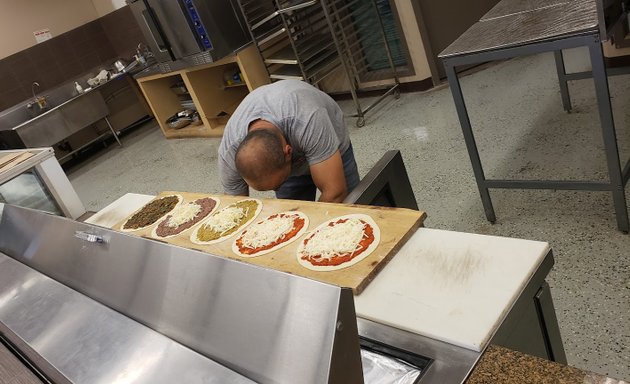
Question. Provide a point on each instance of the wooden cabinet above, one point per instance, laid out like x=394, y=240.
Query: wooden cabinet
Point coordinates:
x=213, y=98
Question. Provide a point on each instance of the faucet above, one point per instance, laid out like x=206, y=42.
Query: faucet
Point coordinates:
x=35, y=83
x=40, y=101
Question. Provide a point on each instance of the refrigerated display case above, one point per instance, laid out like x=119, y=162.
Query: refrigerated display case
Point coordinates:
x=33, y=178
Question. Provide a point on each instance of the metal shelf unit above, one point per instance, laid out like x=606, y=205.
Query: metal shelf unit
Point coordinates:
x=308, y=40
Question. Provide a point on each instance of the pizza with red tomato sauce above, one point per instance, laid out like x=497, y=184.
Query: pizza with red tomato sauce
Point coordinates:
x=339, y=243
x=272, y=233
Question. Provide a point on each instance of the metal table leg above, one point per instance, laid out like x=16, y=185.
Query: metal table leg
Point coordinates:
x=473, y=152
x=608, y=130
x=562, y=79
x=113, y=131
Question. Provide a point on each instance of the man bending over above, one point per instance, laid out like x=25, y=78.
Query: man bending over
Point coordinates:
x=288, y=137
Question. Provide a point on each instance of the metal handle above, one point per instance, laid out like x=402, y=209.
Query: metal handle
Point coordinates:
x=161, y=45
x=89, y=237
x=297, y=6
x=155, y=21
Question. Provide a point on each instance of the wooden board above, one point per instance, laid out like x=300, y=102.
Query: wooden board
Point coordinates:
x=252, y=67
x=6, y=158
x=396, y=226
x=9, y=161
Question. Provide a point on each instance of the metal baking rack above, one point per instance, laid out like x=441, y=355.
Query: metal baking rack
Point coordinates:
x=309, y=40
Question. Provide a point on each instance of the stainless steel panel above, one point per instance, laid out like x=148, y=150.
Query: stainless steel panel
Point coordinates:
x=14, y=116
x=524, y=28
x=176, y=28
x=547, y=313
x=255, y=321
x=451, y=364
x=386, y=184
x=85, y=110
x=225, y=25
x=222, y=21
x=531, y=326
x=74, y=339
x=44, y=131
x=159, y=47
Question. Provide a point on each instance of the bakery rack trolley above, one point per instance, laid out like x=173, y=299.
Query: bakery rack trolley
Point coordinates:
x=309, y=40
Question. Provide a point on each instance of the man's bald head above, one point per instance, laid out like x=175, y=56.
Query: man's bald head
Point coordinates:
x=261, y=157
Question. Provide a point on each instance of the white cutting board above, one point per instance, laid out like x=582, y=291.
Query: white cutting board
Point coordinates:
x=451, y=286
x=119, y=209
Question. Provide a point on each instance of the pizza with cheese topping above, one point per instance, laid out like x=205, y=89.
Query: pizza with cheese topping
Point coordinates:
x=151, y=213
x=339, y=243
x=184, y=217
x=273, y=232
x=226, y=222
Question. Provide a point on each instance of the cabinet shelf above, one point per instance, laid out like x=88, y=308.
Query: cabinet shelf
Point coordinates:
x=213, y=99
x=234, y=85
x=193, y=131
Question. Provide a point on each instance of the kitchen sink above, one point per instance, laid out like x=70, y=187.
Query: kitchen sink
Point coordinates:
x=35, y=110
x=65, y=114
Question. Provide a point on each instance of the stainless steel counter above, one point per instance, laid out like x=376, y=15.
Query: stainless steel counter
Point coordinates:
x=266, y=325
x=81, y=341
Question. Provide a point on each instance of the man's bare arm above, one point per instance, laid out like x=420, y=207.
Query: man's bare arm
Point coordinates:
x=330, y=179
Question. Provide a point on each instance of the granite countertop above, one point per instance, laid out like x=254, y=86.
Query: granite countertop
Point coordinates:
x=502, y=365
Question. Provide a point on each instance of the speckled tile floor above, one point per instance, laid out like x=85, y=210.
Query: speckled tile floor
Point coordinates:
x=521, y=131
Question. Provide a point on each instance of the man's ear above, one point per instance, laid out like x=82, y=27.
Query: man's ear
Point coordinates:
x=287, y=152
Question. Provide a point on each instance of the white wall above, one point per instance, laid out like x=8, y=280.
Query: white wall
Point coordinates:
x=20, y=18
x=103, y=7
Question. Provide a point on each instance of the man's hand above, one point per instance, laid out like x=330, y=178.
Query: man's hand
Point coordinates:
x=329, y=179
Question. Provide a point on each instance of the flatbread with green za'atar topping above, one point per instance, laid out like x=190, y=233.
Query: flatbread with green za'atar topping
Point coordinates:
x=226, y=222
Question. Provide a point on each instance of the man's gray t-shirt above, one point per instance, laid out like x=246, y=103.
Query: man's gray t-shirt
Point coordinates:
x=310, y=120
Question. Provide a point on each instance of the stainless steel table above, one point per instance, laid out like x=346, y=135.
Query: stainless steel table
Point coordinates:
x=517, y=28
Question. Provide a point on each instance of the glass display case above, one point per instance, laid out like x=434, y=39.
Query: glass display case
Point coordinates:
x=33, y=178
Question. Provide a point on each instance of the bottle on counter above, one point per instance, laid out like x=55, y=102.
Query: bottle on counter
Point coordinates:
x=78, y=87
